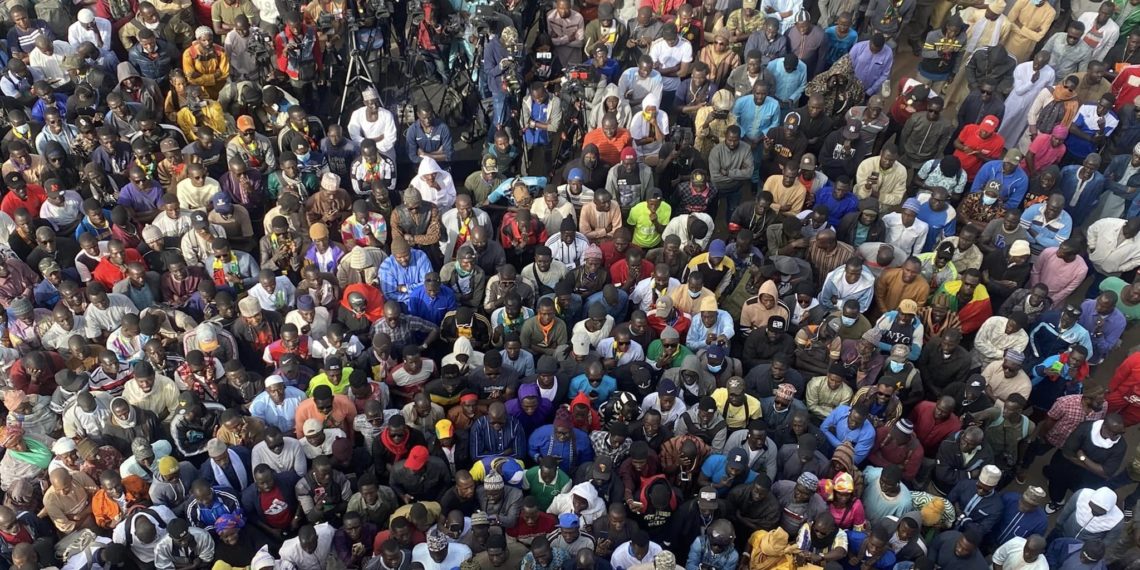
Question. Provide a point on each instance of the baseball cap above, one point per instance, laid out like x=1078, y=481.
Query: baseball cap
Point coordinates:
x=807, y=162
x=735, y=458
x=417, y=458
x=312, y=426
x=735, y=385
x=851, y=131
x=568, y=520
x=707, y=497
x=603, y=469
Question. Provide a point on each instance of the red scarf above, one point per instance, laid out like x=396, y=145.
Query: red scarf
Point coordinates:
x=399, y=450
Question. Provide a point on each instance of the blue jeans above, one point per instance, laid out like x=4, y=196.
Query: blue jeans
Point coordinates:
x=498, y=113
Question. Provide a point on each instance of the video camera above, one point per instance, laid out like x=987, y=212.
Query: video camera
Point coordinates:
x=578, y=81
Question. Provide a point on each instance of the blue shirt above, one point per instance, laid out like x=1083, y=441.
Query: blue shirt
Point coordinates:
x=486, y=440
x=1081, y=148
x=698, y=332
x=393, y=275
x=1016, y=523
x=571, y=453
x=579, y=384
x=1013, y=186
x=1049, y=234
x=789, y=85
x=836, y=209
x=714, y=469
x=439, y=139
x=942, y=224
x=872, y=69
x=838, y=47
x=755, y=120
x=279, y=415
x=862, y=438
x=431, y=310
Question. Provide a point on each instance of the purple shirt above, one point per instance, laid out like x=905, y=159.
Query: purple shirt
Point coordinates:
x=1110, y=333
x=140, y=200
x=872, y=69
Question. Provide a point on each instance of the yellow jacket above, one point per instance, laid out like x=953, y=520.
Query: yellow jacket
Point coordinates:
x=210, y=73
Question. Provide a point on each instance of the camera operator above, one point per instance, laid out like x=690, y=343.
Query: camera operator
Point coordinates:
x=243, y=46
x=498, y=51
x=151, y=56
x=434, y=43
x=206, y=65
x=541, y=118
x=542, y=64
x=299, y=56
x=330, y=18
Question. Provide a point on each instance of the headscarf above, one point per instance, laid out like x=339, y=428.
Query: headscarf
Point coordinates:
x=819, y=85
x=1104, y=498
x=229, y=521
x=771, y=550
x=132, y=414
x=1059, y=111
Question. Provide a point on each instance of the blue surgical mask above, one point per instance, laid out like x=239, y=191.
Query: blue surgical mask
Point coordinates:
x=897, y=366
x=848, y=321
x=304, y=157
x=715, y=369
x=989, y=200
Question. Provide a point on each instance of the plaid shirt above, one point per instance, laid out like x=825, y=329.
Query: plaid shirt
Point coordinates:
x=1068, y=412
x=404, y=333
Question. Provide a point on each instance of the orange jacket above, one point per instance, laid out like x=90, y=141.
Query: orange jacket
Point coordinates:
x=107, y=511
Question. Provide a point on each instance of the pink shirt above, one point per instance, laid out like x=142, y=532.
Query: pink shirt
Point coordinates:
x=1061, y=278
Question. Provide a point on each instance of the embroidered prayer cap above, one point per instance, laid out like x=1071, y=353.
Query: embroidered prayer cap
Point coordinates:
x=249, y=307
x=493, y=481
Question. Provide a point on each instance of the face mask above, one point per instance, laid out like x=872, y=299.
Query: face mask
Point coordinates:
x=648, y=116
x=848, y=321
x=715, y=369
x=989, y=200
x=694, y=294
x=153, y=26
x=897, y=366
x=23, y=129
x=304, y=157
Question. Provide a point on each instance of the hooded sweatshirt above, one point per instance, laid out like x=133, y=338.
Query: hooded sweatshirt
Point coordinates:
x=623, y=111
x=564, y=503
x=755, y=316
x=148, y=94
x=444, y=196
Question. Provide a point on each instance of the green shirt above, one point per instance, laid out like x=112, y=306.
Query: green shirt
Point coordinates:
x=645, y=233
x=322, y=379
x=544, y=492
x=655, y=351
x=1116, y=284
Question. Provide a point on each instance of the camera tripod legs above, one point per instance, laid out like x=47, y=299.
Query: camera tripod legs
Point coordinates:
x=356, y=70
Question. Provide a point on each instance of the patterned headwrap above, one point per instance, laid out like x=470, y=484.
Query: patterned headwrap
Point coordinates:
x=808, y=480
x=785, y=391
x=436, y=541
x=229, y=521
x=592, y=252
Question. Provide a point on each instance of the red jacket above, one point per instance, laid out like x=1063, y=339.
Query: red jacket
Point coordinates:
x=108, y=273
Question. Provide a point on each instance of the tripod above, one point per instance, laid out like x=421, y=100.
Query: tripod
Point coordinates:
x=356, y=69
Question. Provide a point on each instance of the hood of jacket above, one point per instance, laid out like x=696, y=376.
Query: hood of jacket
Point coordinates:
x=126, y=71
x=428, y=166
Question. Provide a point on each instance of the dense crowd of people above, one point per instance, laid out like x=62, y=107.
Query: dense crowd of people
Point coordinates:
x=721, y=289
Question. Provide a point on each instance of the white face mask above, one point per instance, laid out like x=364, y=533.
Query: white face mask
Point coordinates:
x=153, y=26
x=23, y=129
x=989, y=200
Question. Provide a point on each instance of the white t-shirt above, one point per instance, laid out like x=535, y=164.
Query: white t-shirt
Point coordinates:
x=669, y=56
